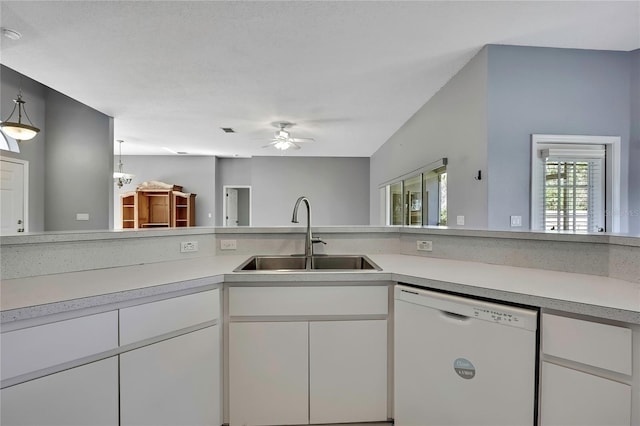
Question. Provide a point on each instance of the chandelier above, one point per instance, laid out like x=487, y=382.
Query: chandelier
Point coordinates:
x=119, y=177
x=19, y=130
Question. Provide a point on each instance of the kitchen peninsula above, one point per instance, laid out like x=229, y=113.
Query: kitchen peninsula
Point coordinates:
x=593, y=280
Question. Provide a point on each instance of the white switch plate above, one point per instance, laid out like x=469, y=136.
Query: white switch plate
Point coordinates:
x=82, y=216
x=188, y=246
x=424, y=246
x=516, y=220
x=228, y=244
x=460, y=220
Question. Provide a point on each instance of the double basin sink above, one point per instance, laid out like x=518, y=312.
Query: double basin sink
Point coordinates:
x=321, y=262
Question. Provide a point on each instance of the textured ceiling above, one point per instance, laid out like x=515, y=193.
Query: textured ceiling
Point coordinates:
x=349, y=73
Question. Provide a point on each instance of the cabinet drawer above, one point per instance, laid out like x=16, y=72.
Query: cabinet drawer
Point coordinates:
x=153, y=319
x=600, y=345
x=34, y=348
x=574, y=398
x=308, y=301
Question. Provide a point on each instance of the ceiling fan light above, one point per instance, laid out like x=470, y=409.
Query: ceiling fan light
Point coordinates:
x=19, y=131
x=283, y=145
x=282, y=134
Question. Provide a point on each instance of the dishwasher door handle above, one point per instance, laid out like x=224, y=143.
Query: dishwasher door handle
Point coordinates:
x=454, y=316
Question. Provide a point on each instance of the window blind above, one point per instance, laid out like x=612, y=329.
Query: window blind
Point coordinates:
x=573, y=189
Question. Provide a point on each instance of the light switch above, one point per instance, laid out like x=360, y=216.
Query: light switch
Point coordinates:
x=460, y=220
x=82, y=216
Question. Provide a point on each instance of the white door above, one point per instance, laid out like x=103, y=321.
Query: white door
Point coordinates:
x=12, y=196
x=231, y=215
x=173, y=382
x=348, y=371
x=268, y=373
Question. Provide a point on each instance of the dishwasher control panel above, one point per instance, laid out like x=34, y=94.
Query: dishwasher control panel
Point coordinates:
x=496, y=315
x=466, y=308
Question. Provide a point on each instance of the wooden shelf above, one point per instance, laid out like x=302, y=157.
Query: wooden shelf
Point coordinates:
x=158, y=208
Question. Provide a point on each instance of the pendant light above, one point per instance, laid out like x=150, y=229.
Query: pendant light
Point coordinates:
x=19, y=130
x=119, y=177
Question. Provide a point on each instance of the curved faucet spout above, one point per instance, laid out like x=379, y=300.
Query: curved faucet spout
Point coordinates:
x=308, y=243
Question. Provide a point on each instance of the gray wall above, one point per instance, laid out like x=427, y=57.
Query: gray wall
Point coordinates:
x=70, y=160
x=634, y=147
x=451, y=124
x=33, y=151
x=483, y=118
x=552, y=91
x=338, y=188
x=78, y=165
x=196, y=174
x=230, y=171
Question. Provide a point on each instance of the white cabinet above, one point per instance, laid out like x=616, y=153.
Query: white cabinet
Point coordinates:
x=156, y=363
x=575, y=398
x=83, y=396
x=268, y=370
x=586, y=373
x=347, y=371
x=173, y=382
x=34, y=348
x=323, y=363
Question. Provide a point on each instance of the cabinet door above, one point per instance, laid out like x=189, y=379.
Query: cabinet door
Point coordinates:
x=348, y=371
x=268, y=373
x=173, y=382
x=570, y=397
x=83, y=396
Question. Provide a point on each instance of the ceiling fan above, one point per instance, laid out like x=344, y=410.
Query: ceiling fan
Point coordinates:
x=283, y=140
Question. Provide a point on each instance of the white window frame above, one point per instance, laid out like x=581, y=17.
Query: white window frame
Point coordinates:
x=612, y=173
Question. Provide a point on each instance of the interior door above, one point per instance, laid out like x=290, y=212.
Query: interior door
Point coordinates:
x=12, y=197
x=231, y=215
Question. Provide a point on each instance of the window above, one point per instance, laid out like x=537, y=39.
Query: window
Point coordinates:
x=573, y=194
x=569, y=185
x=8, y=143
x=418, y=198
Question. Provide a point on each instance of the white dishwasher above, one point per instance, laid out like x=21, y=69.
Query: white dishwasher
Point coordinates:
x=461, y=361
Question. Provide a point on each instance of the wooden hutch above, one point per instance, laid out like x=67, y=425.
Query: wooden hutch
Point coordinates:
x=158, y=208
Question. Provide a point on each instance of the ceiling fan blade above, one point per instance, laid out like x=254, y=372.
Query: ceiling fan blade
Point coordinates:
x=303, y=140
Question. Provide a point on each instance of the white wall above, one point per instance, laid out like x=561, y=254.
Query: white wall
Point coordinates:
x=451, y=124
x=634, y=147
x=196, y=174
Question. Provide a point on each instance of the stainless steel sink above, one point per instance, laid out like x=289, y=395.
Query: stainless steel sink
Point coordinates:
x=298, y=263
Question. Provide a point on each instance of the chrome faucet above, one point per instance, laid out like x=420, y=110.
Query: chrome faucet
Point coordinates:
x=309, y=240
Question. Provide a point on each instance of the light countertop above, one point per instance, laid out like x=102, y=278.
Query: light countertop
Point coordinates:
x=603, y=297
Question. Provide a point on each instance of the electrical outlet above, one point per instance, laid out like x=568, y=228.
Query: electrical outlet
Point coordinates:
x=188, y=246
x=424, y=246
x=82, y=216
x=228, y=244
x=516, y=220
x=460, y=220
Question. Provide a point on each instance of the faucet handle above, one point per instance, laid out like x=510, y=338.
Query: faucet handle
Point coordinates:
x=316, y=240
